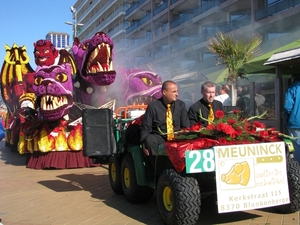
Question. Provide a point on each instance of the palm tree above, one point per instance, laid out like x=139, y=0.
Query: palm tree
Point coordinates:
x=234, y=50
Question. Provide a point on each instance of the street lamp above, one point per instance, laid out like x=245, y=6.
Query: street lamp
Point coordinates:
x=74, y=24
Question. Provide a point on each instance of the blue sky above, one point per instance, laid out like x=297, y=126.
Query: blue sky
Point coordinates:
x=25, y=22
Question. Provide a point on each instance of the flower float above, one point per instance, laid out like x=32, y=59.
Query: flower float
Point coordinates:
x=226, y=129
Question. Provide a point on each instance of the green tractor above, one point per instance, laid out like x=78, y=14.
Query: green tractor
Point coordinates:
x=178, y=194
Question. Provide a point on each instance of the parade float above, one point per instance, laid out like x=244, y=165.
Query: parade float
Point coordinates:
x=44, y=105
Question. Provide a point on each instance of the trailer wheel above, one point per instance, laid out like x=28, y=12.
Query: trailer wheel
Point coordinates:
x=293, y=176
x=133, y=192
x=178, y=198
x=114, y=168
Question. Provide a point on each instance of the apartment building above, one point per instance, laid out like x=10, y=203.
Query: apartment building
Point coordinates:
x=102, y=15
x=59, y=39
x=171, y=35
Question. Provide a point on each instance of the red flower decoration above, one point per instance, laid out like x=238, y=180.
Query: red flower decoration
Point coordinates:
x=223, y=141
x=219, y=114
x=231, y=121
x=236, y=111
x=210, y=127
x=220, y=126
x=229, y=129
x=258, y=124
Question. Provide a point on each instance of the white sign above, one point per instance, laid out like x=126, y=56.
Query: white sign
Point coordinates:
x=251, y=176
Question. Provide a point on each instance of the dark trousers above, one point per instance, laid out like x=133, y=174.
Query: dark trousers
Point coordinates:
x=152, y=142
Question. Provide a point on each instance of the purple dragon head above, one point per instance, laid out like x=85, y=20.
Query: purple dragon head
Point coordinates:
x=54, y=90
x=141, y=87
x=93, y=58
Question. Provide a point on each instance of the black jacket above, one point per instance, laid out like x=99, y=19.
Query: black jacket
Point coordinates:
x=194, y=111
x=155, y=116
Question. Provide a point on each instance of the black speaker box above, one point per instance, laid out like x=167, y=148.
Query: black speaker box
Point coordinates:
x=98, y=132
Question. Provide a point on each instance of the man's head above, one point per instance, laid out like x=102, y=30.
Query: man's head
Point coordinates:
x=245, y=90
x=295, y=77
x=169, y=91
x=208, y=91
x=224, y=89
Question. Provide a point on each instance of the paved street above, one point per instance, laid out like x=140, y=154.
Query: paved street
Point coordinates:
x=83, y=196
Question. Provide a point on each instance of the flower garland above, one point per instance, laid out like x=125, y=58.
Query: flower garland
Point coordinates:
x=227, y=129
x=231, y=128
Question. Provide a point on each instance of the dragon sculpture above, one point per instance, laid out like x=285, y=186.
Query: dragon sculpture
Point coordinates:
x=47, y=129
x=96, y=82
x=136, y=87
x=16, y=89
x=93, y=58
x=40, y=102
x=54, y=91
x=17, y=77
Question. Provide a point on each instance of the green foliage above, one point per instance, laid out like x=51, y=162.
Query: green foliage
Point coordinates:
x=234, y=50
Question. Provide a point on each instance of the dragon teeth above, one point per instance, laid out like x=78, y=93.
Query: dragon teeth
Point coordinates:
x=49, y=102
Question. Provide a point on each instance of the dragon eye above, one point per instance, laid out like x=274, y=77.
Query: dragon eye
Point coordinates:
x=147, y=81
x=38, y=81
x=61, y=77
x=84, y=47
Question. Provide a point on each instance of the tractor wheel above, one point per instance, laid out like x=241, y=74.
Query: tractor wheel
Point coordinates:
x=114, y=168
x=293, y=176
x=133, y=192
x=178, y=198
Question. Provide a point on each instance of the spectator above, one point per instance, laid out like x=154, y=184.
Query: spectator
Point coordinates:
x=224, y=95
x=155, y=119
x=292, y=112
x=244, y=101
x=206, y=104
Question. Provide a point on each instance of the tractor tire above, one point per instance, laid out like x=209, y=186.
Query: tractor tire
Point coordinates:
x=178, y=198
x=133, y=192
x=114, y=168
x=293, y=176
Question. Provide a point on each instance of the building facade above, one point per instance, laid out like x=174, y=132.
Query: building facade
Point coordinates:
x=171, y=35
x=58, y=39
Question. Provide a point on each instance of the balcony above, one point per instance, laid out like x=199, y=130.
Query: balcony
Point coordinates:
x=183, y=44
x=95, y=16
x=160, y=8
x=206, y=6
x=275, y=8
x=182, y=19
x=145, y=18
x=117, y=29
x=236, y=23
x=132, y=27
x=138, y=42
x=145, y=60
x=161, y=53
x=132, y=8
x=162, y=28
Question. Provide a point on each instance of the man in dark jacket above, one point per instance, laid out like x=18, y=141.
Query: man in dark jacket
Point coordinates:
x=155, y=118
x=208, y=91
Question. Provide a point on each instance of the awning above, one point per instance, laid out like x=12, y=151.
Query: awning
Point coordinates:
x=257, y=65
x=188, y=78
x=218, y=76
x=288, y=57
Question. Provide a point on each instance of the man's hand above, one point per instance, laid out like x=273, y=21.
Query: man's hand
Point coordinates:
x=146, y=151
